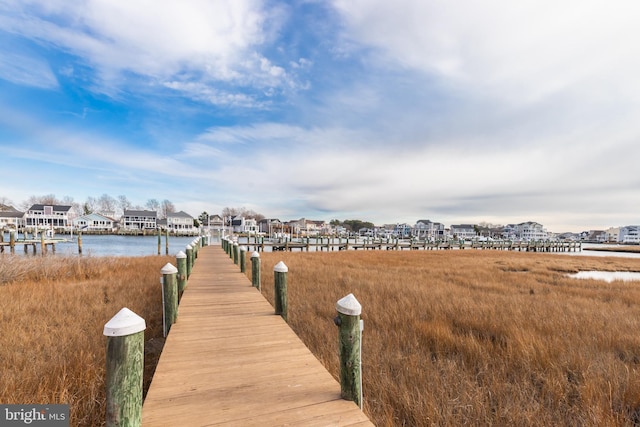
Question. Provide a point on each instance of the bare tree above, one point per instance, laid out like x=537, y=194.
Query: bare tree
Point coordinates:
x=123, y=203
x=166, y=207
x=153, y=205
x=90, y=205
x=4, y=201
x=106, y=203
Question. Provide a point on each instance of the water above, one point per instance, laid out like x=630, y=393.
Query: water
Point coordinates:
x=112, y=245
x=608, y=276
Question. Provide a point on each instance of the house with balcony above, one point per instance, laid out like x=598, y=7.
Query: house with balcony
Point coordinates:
x=426, y=229
x=180, y=223
x=52, y=217
x=10, y=218
x=629, y=234
x=94, y=223
x=463, y=231
x=139, y=220
x=525, y=231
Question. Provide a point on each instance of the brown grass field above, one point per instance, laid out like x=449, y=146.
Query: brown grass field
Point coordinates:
x=451, y=337
x=53, y=313
x=476, y=337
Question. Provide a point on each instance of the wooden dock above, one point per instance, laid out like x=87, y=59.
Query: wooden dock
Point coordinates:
x=229, y=360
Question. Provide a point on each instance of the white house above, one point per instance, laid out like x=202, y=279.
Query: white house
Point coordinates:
x=94, y=222
x=180, y=222
x=463, y=231
x=139, y=220
x=629, y=234
x=429, y=230
x=55, y=217
x=527, y=231
x=11, y=219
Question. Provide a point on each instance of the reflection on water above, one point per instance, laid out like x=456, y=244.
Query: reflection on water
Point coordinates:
x=608, y=276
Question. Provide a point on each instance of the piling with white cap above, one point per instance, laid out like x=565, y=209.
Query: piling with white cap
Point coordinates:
x=125, y=367
x=280, y=287
x=350, y=348
x=255, y=269
x=169, y=296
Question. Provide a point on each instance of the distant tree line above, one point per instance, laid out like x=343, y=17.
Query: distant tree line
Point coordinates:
x=352, y=224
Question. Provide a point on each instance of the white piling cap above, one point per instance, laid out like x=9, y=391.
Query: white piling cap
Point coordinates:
x=280, y=268
x=125, y=322
x=188, y=247
x=168, y=269
x=255, y=254
x=235, y=243
x=181, y=255
x=243, y=248
x=349, y=305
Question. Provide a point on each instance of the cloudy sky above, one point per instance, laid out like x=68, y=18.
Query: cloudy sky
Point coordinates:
x=459, y=112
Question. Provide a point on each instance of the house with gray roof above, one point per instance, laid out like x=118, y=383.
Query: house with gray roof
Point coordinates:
x=52, y=217
x=139, y=220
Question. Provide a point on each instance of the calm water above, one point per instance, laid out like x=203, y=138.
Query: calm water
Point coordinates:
x=112, y=245
x=607, y=276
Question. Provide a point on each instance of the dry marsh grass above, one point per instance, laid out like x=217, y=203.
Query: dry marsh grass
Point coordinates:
x=476, y=337
x=53, y=313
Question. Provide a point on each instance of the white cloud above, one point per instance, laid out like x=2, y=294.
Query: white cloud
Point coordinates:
x=172, y=43
x=27, y=71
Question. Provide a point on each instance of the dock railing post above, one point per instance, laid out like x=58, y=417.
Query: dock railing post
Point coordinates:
x=280, y=287
x=189, y=250
x=79, y=242
x=350, y=348
x=243, y=251
x=12, y=241
x=124, y=368
x=159, y=240
x=255, y=269
x=181, y=263
x=169, y=297
x=235, y=253
x=166, y=242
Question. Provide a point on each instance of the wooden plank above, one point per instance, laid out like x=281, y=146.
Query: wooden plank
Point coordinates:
x=229, y=360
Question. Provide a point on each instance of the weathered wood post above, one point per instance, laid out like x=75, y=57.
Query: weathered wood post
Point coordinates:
x=169, y=296
x=159, y=240
x=12, y=241
x=125, y=365
x=43, y=247
x=350, y=348
x=243, y=251
x=166, y=242
x=189, y=250
x=255, y=269
x=235, y=253
x=280, y=287
x=181, y=263
x=79, y=242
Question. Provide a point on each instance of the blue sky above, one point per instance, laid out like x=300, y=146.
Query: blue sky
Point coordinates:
x=458, y=112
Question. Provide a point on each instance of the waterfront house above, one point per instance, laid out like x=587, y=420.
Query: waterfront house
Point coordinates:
x=525, y=231
x=180, y=223
x=54, y=217
x=139, y=220
x=629, y=234
x=94, y=222
x=428, y=230
x=240, y=224
x=10, y=218
x=463, y=231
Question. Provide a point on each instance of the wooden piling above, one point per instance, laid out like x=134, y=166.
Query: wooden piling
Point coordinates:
x=235, y=253
x=166, y=242
x=79, y=242
x=280, y=287
x=12, y=241
x=243, y=251
x=189, y=250
x=169, y=296
x=181, y=263
x=350, y=347
x=124, y=370
x=255, y=269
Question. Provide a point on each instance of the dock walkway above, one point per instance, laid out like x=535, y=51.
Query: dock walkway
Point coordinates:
x=230, y=361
